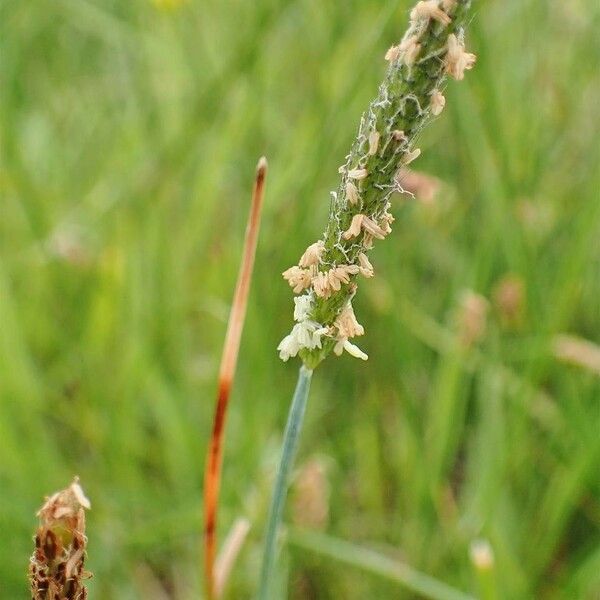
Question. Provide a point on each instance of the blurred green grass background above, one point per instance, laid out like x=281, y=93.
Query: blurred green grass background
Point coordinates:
x=129, y=136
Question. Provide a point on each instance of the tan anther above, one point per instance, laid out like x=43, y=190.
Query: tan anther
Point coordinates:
x=410, y=156
x=347, y=325
x=410, y=49
x=386, y=220
x=357, y=174
x=373, y=228
x=457, y=60
x=312, y=255
x=341, y=275
x=393, y=53
x=351, y=193
x=298, y=278
x=437, y=102
x=367, y=241
x=365, y=266
x=321, y=285
x=429, y=9
x=363, y=222
x=355, y=227
x=373, y=142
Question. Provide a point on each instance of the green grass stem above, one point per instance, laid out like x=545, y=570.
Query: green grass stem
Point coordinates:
x=290, y=443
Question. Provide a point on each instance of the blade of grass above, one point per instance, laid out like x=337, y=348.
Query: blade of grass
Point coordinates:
x=231, y=548
x=212, y=474
x=375, y=563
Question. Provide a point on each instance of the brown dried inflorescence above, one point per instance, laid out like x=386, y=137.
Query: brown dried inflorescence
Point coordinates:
x=56, y=570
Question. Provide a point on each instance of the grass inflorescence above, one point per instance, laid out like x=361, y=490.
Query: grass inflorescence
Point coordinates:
x=410, y=95
x=128, y=135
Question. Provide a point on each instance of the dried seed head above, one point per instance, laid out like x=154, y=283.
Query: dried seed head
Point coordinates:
x=429, y=9
x=458, y=61
x=373, y=142
x=298, y=278
x=312, y=254
x=57, y=563
x=437, y=102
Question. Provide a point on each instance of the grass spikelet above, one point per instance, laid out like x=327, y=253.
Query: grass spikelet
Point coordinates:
x=56, y=569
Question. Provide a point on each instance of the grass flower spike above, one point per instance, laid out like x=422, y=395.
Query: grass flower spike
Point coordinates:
x=328, y=272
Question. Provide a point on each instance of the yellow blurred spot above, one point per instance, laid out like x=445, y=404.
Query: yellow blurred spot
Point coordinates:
x=168, y=5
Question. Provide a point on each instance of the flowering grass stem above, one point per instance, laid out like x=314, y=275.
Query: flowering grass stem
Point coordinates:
x=290, y=443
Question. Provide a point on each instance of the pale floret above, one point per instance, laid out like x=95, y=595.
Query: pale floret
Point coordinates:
x=437, y=102
x=350, y=348
x=306, y=334
x=303, y=307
